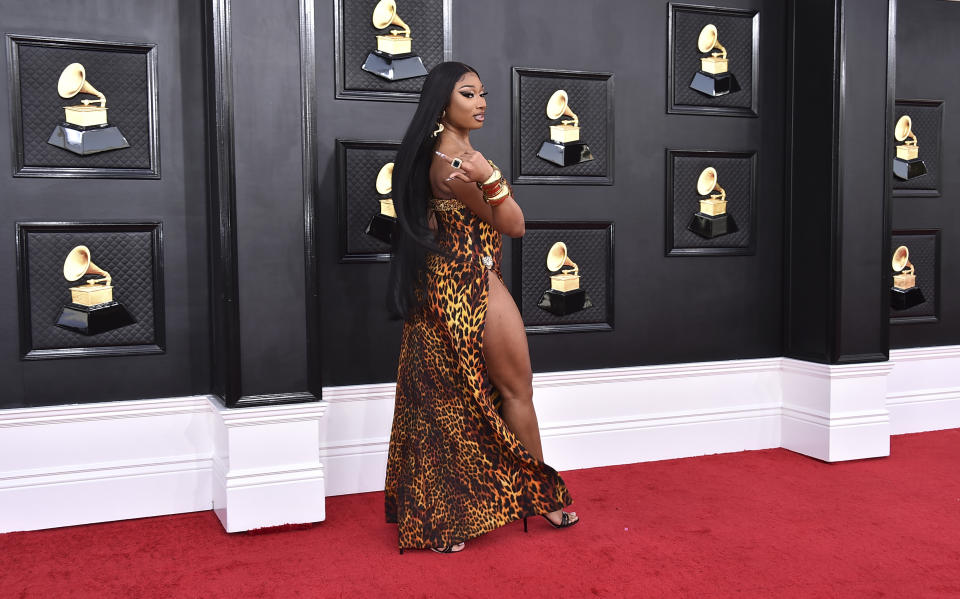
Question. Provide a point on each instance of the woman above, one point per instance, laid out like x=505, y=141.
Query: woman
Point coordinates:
x=465, y=453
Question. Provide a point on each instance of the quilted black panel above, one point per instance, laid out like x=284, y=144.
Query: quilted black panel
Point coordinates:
x=361, y=200
x=589, y=248
x=587, y=99
x=126, y=255
x=928, y=127
x=359, y=38
x=120, y=75
x=735, y=33
x=923, y=256
x=735, y=176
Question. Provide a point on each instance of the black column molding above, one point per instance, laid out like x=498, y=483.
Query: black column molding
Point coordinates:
x=817, y=315
x=311, y=191
x=222, y=196
x=225, y=310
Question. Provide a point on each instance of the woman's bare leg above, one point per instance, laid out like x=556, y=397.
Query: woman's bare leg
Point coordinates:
x=508, y=364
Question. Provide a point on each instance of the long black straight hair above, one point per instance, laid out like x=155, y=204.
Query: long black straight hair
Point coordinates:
x=413, y=238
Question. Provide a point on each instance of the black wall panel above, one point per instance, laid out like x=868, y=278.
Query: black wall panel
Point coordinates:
x=927, y=47
x=177, y=200
x=657, y=319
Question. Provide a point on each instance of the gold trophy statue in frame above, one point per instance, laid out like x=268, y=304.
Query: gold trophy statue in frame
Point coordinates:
x=382, y=224
x=712, y=220
x=713, y=79
x=84, y=129
x=564, y=146
x=904, y=293
x=565, y=295
x=907, y=164
x=394, y=58
x=92, y=309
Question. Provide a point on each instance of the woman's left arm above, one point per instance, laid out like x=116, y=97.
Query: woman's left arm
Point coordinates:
x=502, y=213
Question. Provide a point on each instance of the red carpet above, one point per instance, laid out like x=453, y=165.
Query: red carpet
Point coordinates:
x=753, y=524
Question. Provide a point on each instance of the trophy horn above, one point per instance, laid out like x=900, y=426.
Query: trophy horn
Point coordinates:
x=73, y=81
x=558, y=105
x=901, y=261
x=707, y=183
x=557, y=258
x=904, y=130
x=78, y=264
x=385, y=179
x=708, y=40
x=385, y=14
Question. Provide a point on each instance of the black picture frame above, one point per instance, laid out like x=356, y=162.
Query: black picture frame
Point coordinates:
x=673, y=106
x=670, y=214
x=936, y=191
x=345, y=207
x=517, y=270
x=518, y=177
x=27, y=350
x=20, y=169
x=342, y=92
x=925, y=319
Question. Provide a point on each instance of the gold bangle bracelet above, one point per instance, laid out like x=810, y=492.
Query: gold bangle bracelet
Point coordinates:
x=494, y=176
x=503, y=193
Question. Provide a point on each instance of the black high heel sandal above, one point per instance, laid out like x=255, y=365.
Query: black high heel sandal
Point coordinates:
x=564, y=521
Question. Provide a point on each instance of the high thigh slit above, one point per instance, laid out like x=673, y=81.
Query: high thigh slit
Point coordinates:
x=454, y=469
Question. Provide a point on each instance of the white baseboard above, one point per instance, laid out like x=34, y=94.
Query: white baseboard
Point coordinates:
x=59, y=466
x=266, y=465
x=924, y=389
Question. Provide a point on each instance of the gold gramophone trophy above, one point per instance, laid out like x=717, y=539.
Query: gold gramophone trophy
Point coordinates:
x=92, y=309
x=904, y=293
x=712, y=220
x=84, y=129
x=564, y=296
x=713, y=79
x=382, y=224
x=907, y=164
x=564, y=146
x=394, y=58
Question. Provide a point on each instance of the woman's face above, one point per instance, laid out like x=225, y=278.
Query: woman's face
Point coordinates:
x=468, y=105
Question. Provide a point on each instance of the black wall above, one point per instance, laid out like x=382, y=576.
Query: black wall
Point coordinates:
x=178, y=199
x=927, y=51
x=675, y=309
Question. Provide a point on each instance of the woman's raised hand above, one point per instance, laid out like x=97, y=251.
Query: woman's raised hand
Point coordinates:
x=470, y=167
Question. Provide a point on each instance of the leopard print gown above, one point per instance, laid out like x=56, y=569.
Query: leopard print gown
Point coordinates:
x=454, y=469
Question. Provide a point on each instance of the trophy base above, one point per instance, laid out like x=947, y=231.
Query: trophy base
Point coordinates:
x=908, y=169
x=901, y=299
x=708, y=227
x=565, y=154
x=92, y=320
x=394, y=67
x=87, y=140
x=381, y=227
x=715, y=85
x=561, y=303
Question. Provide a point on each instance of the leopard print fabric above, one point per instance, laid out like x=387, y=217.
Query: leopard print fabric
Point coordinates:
x=454, y=469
